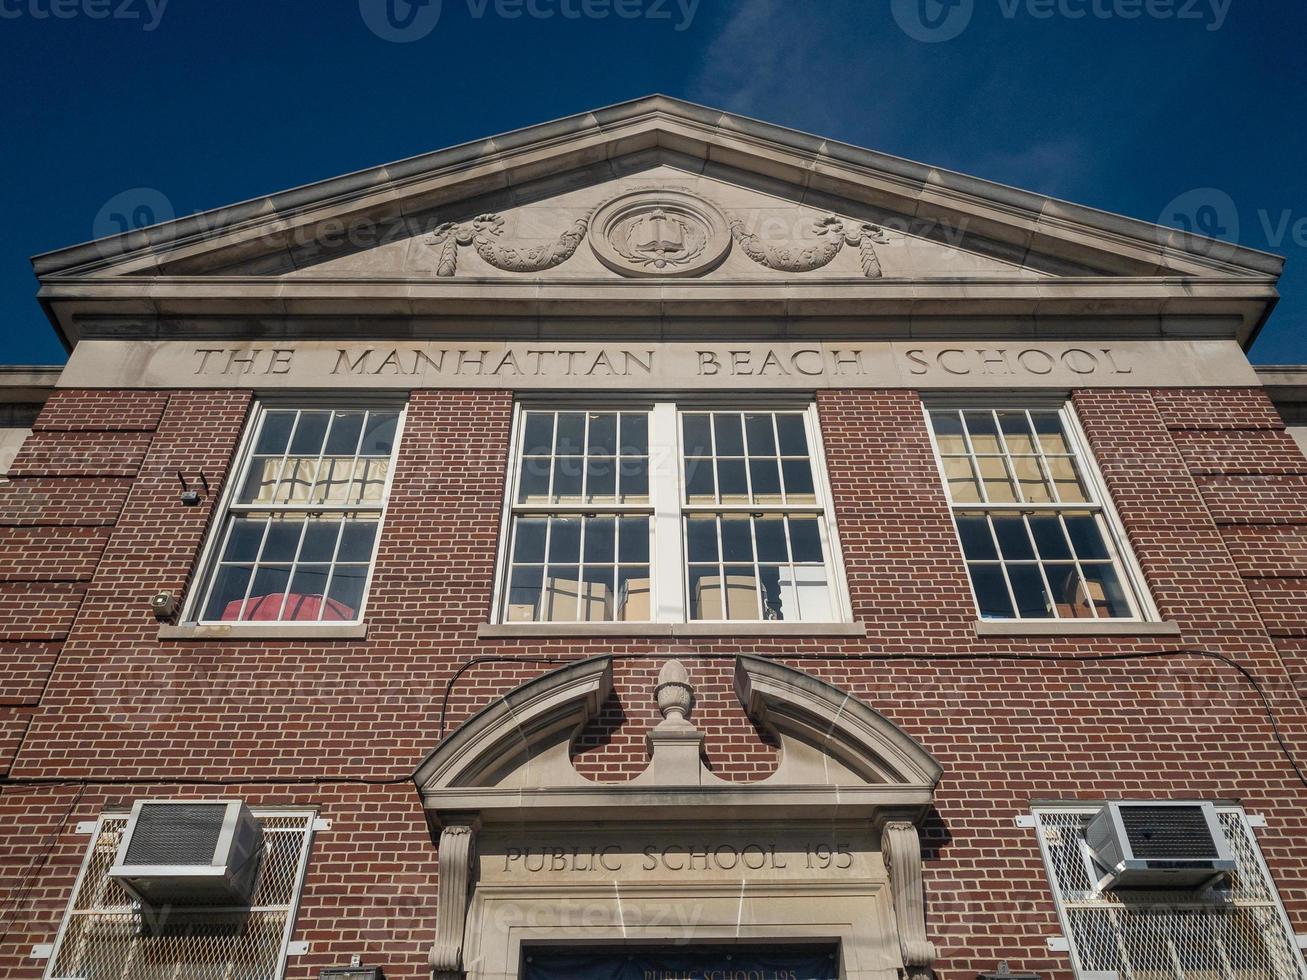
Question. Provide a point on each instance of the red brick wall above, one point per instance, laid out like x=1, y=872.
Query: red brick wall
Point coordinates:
x=1008, y=723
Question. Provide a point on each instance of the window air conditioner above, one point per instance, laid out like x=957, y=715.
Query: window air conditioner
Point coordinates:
x=189, y=852
x=1158, y=845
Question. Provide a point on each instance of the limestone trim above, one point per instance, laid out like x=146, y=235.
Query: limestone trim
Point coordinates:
x=901, y=846
x=456, y=856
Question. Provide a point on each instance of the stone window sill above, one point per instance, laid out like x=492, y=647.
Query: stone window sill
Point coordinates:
x=1075, y=628
x=495, y=631
x=265, y=631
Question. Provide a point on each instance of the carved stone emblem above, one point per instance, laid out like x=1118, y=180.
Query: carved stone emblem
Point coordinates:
x=652, y=233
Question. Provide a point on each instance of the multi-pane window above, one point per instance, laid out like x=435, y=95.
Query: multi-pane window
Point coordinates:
x=655, y=514
x=1036, y=532
x=298, y=538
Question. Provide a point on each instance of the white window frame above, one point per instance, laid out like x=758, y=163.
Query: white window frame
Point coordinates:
x=309, y=816
x=1085, y=808
x=227, y=509
x=669, y=580
x=1118, y=543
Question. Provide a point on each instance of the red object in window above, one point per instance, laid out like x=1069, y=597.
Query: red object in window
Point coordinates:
x=264, y=608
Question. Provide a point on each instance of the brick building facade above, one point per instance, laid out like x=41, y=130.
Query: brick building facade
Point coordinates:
x=1174, y=668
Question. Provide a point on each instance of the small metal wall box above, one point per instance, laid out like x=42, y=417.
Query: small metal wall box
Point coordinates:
x=1004, y=972
x=352, y=973
x=164, y=604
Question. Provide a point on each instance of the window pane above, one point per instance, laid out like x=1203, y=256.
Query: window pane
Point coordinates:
x=1048, y=426
x=805, y=539
x=962, y=485
x=701, y=539
x=228, y=593
x=1016, y=432
x=335, y=474
x=346, y=428
x=1012, y=538
x=1028, y=587
x=601, y=479
x=309, y=434
x=1086, y=536
x=565, y=539
x=991, y=592
x=766, y=479
x=705, y=592
x=267, y=593
x=297, y=481
x=633, y=540
x=696, y=435
x=635, y=434
x=529, y=542
x=998, y=485
x=984, y=433
x=741, y=592
x=948, y=432
x=283, y=540
x=1049, y=539
x=733, y=483
x=356, y=541
x=793, y=437
x=699, y=485
x=602, y=438
x=634, y=481
x=320, y=541
x=1069, y=488
x=307, y=590
x=977, y=543
x=261, y=482
x=379, y=436
x=815, y=604
x=774, y=604
x=538, y=434
x=244, y=540
x=600, y=539
x=345, y=598
x=533, y=483
x=597, y=593
x=770, y=533
x=524, y=595
x=1068, y=593
x=1105, y=592
x=571, y=434
x=567, y=480
x=275, y=433
x=758, y=431
x=730, y=437
x=370, y=480
x=633, y=594
x=798, y=481
x=737, y=543
x=1030, y=477
x=562, y=588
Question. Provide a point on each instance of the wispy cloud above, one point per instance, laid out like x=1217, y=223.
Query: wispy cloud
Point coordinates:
x=1053, y=166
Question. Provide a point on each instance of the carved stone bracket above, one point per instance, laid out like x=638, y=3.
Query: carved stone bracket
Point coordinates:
x=901, y=846
x=832, y=235
x=456, y=855
x=484, y=232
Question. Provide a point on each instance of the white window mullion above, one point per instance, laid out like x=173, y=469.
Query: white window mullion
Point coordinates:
x=666, y=491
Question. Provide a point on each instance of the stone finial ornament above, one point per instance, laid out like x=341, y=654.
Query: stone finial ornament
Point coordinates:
x=674, y=694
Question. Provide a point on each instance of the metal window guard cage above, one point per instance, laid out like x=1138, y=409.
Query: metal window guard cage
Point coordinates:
x=107, y=936
x=1236, y=930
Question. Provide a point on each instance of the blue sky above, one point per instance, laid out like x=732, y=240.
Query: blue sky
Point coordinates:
x=1126, y=105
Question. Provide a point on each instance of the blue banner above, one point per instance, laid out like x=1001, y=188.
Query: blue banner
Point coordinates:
x=760, y=962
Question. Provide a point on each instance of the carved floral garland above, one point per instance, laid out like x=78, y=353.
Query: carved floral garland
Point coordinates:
x=832, y=233
x=483, y=233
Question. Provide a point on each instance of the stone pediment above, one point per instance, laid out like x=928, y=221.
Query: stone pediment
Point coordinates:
x=619, y=212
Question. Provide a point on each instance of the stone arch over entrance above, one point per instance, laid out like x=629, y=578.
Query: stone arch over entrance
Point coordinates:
x=824, y=850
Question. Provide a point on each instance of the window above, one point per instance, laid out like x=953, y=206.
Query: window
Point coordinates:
x=1236, y=930
x=300, y=530
x=666, y=514
x=105, y=935
x=1036, y=529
